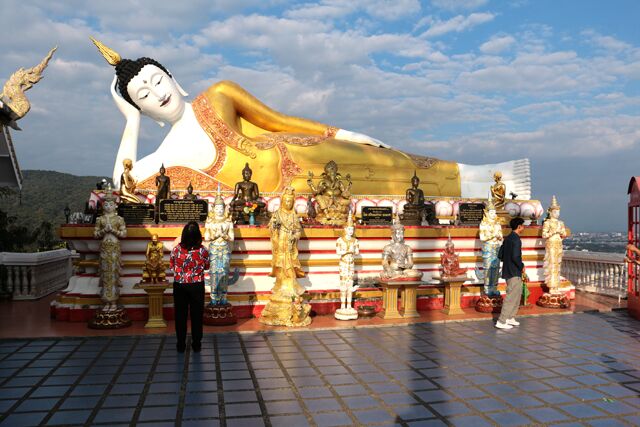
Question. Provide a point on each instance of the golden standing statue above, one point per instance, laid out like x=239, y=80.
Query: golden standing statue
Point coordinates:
x=498, y=191
x=154, y=270
x=332, y=194
x=286, y=306
x=128, y=184
x=554, y=231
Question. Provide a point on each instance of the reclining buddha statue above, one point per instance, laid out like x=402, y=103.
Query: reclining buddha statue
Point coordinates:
x=212, y=138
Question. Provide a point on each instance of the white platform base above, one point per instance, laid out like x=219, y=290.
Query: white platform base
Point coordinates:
x=346, y=314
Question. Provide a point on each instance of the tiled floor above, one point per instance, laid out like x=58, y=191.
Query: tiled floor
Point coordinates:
x=580, y=369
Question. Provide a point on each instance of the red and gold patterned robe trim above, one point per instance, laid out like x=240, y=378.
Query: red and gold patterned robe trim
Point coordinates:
x=181, y=177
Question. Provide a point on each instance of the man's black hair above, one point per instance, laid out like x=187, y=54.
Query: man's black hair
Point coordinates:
x=515, y=223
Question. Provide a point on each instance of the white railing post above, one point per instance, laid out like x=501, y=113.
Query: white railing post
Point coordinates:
x=599, y=272
x=34, y=275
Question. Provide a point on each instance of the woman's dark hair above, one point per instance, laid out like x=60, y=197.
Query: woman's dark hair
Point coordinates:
x=191, y=236
x=128, y=69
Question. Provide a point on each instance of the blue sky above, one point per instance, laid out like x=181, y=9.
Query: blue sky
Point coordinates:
x=475, y=81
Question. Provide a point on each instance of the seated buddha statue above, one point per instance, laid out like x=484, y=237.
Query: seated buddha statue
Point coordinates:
x=397, y=257
x=332, y=195
x=414, y=210
x=450, y=262
x=189, y=195
x=223, y=128
x=246, y=193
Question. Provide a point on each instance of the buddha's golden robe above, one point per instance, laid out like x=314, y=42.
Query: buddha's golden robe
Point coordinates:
x=282, y=149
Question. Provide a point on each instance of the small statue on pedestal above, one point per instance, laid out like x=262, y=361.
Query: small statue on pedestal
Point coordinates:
x=154, y=270
x=110, y=228
x=163, y=185
x=286, y=305
x=218, y=231
x=498, y=191
x=246, y=195
x=397, y=257
x=347, y=248
x=414, y=210
x=332, y=195
x=190, y=195
x=450, y=262
x=554, y=231
x=491, y=238
x=128, y=184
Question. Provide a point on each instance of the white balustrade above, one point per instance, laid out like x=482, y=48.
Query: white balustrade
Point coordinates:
x=34, y=275
x=598, y=272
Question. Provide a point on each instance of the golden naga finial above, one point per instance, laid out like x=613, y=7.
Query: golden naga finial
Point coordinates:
x=13, y=91
x=112, y=57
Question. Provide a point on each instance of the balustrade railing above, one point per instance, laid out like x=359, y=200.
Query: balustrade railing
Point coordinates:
x=26, y=276
x=598, y=272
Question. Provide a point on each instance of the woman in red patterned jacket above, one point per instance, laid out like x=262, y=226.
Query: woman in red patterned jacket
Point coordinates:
x=189, y=262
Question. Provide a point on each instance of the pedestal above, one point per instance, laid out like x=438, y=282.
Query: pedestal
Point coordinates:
x=487, y=304
x=548, y=300
x=409, y=287
x=219, y=315
x=155, y=292
x=452, y=286
x=110, y=319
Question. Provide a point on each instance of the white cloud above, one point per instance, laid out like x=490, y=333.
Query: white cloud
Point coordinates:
x=456, y=24
x=336, y=9
x=545, y=109
x=497, y=44
x=608, y=43
x=455, y=5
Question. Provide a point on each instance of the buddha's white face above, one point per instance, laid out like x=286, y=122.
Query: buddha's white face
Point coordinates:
x=156, y=94
x=555, y=213
x=348, y=231
x=492, y=214
x=218, y=210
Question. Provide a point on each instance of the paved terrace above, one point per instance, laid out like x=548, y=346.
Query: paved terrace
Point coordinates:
x=572, y=369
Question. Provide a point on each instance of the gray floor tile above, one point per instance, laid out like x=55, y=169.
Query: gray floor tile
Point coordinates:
x=332, y=419
x=545, y=415
x=242, y=409
x=325, y=404
x=289, y=421
x=283, y=407
x=69, y=417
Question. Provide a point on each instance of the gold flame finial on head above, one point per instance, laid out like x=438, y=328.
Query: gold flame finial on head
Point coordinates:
x=218, y=200
x=350, y=219
x=449, y=240
x=554, y=203
x=490, y=205
x=112, y=57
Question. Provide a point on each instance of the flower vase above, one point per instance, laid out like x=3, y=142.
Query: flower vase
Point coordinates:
x=252, y=219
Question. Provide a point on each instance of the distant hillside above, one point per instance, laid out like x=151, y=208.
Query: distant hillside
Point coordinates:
x=45, y=195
